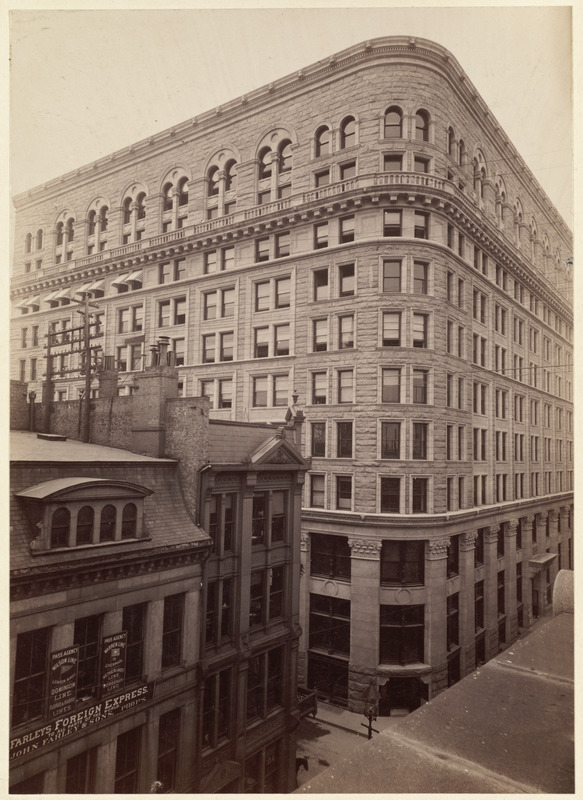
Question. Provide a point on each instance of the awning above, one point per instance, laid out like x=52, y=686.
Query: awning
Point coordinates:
x=51, y=296
x=64, y=293
x=34, y=301
x=542, y=560
x=120, y=279
x=135, y=276
x=22, y=304
x=85, y=288
x=97, y=286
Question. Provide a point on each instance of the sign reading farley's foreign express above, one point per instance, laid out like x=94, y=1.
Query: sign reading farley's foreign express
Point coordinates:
x=64, y=726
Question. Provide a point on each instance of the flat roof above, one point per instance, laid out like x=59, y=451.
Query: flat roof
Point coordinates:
x=26, y=446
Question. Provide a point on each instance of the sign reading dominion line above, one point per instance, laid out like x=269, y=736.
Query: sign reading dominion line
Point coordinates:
x=64, y=726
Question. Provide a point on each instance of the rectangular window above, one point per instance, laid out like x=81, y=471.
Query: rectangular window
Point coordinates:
x=208, y=348
x=264, y=683
x=282, y=244
x=344, y=492
x=321, y=286
x=347, y=170
x=179, y=310
x=329, y=556
x=216, y=713
x=280, y=390
x=346, y=332
x=391, y=329
x=390, y=439
x=322, y=178
x=419, y=495
x=421, y=225
x=262, y=249
x=420, y=270
x=127, y=761
x=420, y=431
x=228, y=303
x=134, y=624
x=260, y=392
x=461, y=241
x=419, y=330
x=344, y=440
x=317, y=491
x=163, y=313
x=30, y=676
x=391, y=386
x=282, y=292
x=346, y=280
x=391, y=276
x=210, y=305
x=319, y=335
x=390, y=495
x=320, y=235
x=346, y=229
x=281, y=340
x=81, y=772
x=345, y=386
x=393, y=163
x=318, y=439
x=210, y=262
x=261, y=345
x=172, y=630
x=226, y=351
x=87, y=634
x=329, y=624
x=450, y=236
x=168, y=739
x=401, y=634
x=402, y=563
x=319, y=388
x=420, y=386
x=420, y=164
x=391, y=223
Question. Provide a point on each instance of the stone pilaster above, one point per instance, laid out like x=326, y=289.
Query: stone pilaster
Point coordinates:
x=436, y=611
x=467, y=599
x=491, y=589
x=510, y=580
x=364, y=615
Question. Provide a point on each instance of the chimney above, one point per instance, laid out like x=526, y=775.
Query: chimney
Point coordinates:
x=154, y=386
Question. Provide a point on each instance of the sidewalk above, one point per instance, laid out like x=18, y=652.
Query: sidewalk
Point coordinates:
x=349, y=721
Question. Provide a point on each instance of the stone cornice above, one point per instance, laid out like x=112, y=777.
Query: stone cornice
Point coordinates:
x=389, y=48
x=47, y=579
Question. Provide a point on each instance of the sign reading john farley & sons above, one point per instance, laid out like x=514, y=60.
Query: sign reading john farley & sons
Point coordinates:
x=64, y=726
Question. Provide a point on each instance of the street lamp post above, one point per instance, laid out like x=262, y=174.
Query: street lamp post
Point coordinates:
x=371, y=698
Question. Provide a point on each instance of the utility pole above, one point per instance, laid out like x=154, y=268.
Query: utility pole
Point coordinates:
x=86, y=359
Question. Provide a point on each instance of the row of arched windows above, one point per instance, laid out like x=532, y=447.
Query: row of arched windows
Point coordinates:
x=38, y=241
x=85, y=524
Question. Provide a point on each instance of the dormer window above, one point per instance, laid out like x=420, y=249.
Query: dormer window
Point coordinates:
x=85, y=512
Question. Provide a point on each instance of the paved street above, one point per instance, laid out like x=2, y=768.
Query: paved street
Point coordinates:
x=328, y=739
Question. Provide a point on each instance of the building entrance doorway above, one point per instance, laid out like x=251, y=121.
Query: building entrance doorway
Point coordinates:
x=401, y=693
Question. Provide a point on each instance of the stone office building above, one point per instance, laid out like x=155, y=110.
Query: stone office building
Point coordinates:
x=352, y=232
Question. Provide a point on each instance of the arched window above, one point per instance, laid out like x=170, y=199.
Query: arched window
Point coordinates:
x=39, y=239
x=230, y=174
x=183, y=192
x=84, y=533
x=28, y=243
x=213, y=181
x=60, y=527
x=141, y=200
x=70, y=229
x=167, y=206
x=347, y=133
x=60, y=227
x=322, y=141
x=461, y=152
x=129, y=521
x=127, y=210
x=285, y=156
x=422, y=126
x=107, y=524
x=265, y=163
x=450, y=142
x=393, y=123
x=91, y=223
x=482, y=182
x=103, y=218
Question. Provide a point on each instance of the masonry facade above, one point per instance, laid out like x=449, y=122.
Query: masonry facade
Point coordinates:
x=387, y=255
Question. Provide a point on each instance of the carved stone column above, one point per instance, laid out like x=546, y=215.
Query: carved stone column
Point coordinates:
x=436, y=611
x=365, y=583
x=510, y=580
x=467, y=599
x=527, y=526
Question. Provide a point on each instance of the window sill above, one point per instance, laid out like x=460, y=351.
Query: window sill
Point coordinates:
x=85, y=548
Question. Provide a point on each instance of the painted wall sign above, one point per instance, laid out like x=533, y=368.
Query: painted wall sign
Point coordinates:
x=64, y=726
x=113, y=663
x=63, y=681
